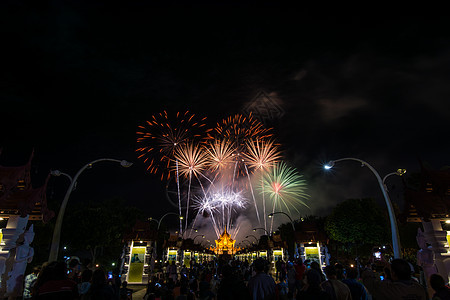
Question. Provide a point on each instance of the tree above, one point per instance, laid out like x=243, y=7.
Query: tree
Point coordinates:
x=99, y=227
x=359, y=221
x=288, y=235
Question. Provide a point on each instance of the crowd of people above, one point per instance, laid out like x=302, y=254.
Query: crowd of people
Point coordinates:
x=233, y=279
x=59, y=281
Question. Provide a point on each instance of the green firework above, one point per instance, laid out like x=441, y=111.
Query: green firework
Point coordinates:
x=285, y=187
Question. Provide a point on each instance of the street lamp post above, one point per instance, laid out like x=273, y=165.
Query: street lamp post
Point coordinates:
x=159, y=221
x=392, y=219
x=399, y=172
x=193, y=240
x=157, y=231
x=281, y=212
x=54, y=248
x=292, y=223
x=252, y=237
x=254, y=229
x=249, y=243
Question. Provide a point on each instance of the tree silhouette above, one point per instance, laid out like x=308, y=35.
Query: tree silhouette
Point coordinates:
x=358, y=221
x=98, y=228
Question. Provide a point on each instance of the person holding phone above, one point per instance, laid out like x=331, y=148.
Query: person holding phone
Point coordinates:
x=74, y=270
x=402, y=286
x=357, y=289
x=85, y=285
x=125, y=292
x=335, y=287
x=100, y=289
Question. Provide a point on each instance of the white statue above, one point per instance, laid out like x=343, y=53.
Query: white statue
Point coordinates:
x=325, y=254
x=24, y=255
x=14, y=230
x=425, y=256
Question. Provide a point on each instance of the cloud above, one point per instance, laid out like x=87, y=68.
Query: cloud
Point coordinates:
x=350, y=180
x=300, y=75
x=333, y=109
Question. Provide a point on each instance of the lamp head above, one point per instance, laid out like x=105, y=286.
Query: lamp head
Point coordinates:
x=126, y=164
x=181, y=217
x=55, y=172
x=401, y=172
x=329, y=165
x=270, y=215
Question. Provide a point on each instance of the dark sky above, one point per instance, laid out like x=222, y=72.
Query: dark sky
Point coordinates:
x=78, y=77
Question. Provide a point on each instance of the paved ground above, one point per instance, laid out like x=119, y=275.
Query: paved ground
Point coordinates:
x=138, y=290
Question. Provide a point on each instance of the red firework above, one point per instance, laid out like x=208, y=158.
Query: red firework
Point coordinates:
x=159, y=138
x=238, y=130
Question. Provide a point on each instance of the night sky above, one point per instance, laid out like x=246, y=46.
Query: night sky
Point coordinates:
x=78, y=77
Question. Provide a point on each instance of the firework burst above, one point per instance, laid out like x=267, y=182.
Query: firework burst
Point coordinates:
x=192, y=160
x=233, y=200
x=203, y=205
x=239, y=128
x=220, y=154
x=221, y=207
x=261, y=154
x=236, y=131
x=285, y=187
x=217, y=167
x=159, y=138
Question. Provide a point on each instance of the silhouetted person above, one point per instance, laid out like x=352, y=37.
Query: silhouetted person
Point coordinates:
x=278, y=268
x=85, y=285
x=315, y=266
x=29, y=282
x=387, y=274
x=334, y=287
x=340, y=271
x=312, y=289
x=230, y=286
x=124, y=292
x=401, y=286
x=151, y=287
x=53, y=284
x=291, y=279
x=205, y=292
x=262, y=285
x=100, y=289
x=300, y=269
x=442, y=292
x=357, y=289
x=172, y=271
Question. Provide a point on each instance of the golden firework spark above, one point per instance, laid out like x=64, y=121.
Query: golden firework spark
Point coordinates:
x=285, y=187
x=220, y=154
x=191, y=160
x=160, y=136
x=261, y=154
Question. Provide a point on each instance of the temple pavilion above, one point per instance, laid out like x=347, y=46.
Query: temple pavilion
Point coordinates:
x=19, y=203
x=225, y=245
